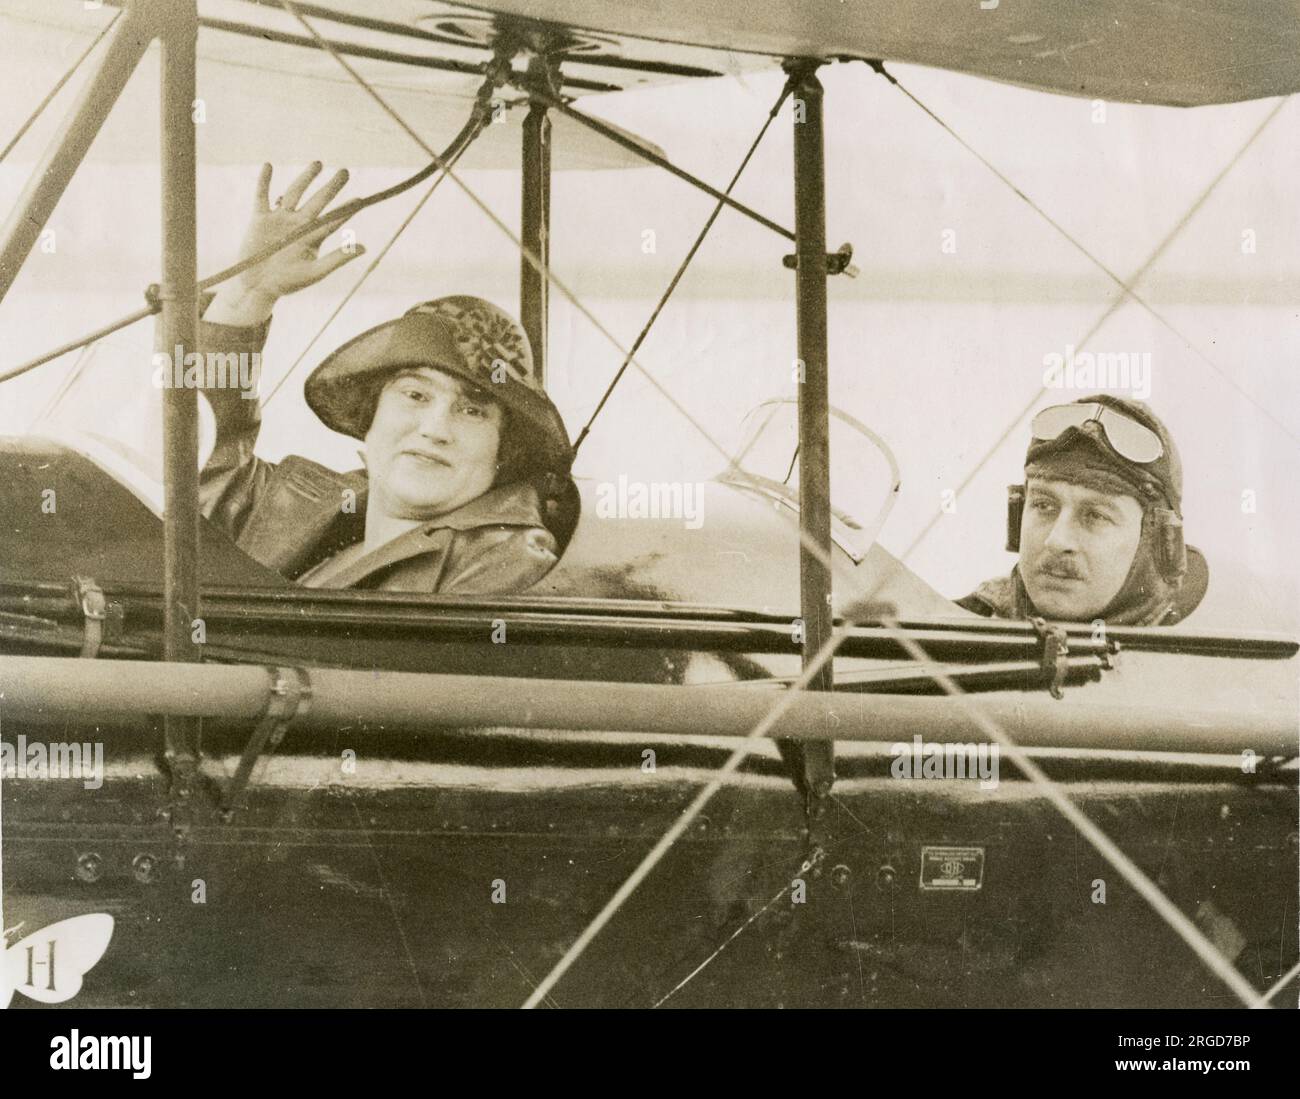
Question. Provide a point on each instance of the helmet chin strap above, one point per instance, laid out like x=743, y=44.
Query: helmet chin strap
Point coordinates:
x=1148, y=591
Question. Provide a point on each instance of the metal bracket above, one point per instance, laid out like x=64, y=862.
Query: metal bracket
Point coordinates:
x=1056, y=651
x=543, y=72
x=838, y=262
x=290, y=696
x=103, y=619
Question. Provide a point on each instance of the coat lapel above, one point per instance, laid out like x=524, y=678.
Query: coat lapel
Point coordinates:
x=299, y=519
x=507, y=506
x=425, y=541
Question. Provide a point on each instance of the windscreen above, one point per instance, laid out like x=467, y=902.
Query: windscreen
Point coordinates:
x=863, y=474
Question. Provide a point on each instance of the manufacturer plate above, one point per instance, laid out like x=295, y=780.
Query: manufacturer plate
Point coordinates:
x=959, y=869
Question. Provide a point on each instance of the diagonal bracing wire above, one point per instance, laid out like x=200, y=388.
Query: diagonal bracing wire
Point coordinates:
x=332, y=217
x=1101, y=843
x=1141, y=884
x=1129, y=870
x=1126, y=288
x=370, y=270
x=58, y=86
x=554, y=102
x=686, y=262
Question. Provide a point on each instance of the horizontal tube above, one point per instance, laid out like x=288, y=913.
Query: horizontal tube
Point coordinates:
x=58, y=689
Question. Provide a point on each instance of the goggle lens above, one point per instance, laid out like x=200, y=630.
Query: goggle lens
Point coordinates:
x=1131, y=440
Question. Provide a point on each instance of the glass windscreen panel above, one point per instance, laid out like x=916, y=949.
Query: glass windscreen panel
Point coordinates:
x=863, y=472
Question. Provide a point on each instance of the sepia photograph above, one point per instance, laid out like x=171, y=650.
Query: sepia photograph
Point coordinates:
x=636, y=504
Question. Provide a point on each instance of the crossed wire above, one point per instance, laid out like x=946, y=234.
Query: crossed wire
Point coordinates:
x=1187, y=930
x=1127, y=290
x=1204, y=949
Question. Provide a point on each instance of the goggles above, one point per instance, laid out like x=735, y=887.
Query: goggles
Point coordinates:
x=1129, y=438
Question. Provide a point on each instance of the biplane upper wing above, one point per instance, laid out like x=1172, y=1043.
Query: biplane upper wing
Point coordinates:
x=1172, y=52
x=268, y=90
x=266, y=85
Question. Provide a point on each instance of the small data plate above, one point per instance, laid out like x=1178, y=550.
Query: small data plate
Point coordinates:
x=951, y=869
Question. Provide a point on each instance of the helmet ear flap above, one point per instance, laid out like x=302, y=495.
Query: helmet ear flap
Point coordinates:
x=1015, y=513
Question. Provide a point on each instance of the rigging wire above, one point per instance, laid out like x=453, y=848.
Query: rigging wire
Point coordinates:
x=352, y=290
x=1129, y=870
x=1152, y=893
x=1183, y=927
x=338, y=215
x=527, y=253
x=554, y=102
x=1283, y=981
x=686, y=262
x=40, y=107
x=1141, y=884
x=1126, y=288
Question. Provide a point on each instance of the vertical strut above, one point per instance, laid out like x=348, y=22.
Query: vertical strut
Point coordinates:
x=815, y=758
x=175, y=23
x=535, y=220
x=176, y=334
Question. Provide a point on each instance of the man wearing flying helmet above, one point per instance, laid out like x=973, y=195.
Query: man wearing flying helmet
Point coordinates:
x=466, y=458
x=1098, y=522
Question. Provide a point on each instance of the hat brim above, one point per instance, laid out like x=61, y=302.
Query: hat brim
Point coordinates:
x=338, y=389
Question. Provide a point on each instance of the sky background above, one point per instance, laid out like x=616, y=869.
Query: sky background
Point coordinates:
x=936, y=351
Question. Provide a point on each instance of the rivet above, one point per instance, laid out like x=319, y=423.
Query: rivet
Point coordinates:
x=89, y=866
x=143, y=868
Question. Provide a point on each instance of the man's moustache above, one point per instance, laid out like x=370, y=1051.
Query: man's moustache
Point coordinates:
x=1062, y=567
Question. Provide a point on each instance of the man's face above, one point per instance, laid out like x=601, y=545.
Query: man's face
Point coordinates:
x=1076, y=547
x=432, y=445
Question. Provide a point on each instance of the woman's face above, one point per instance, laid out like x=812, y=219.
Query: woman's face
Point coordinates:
x=432, y=445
